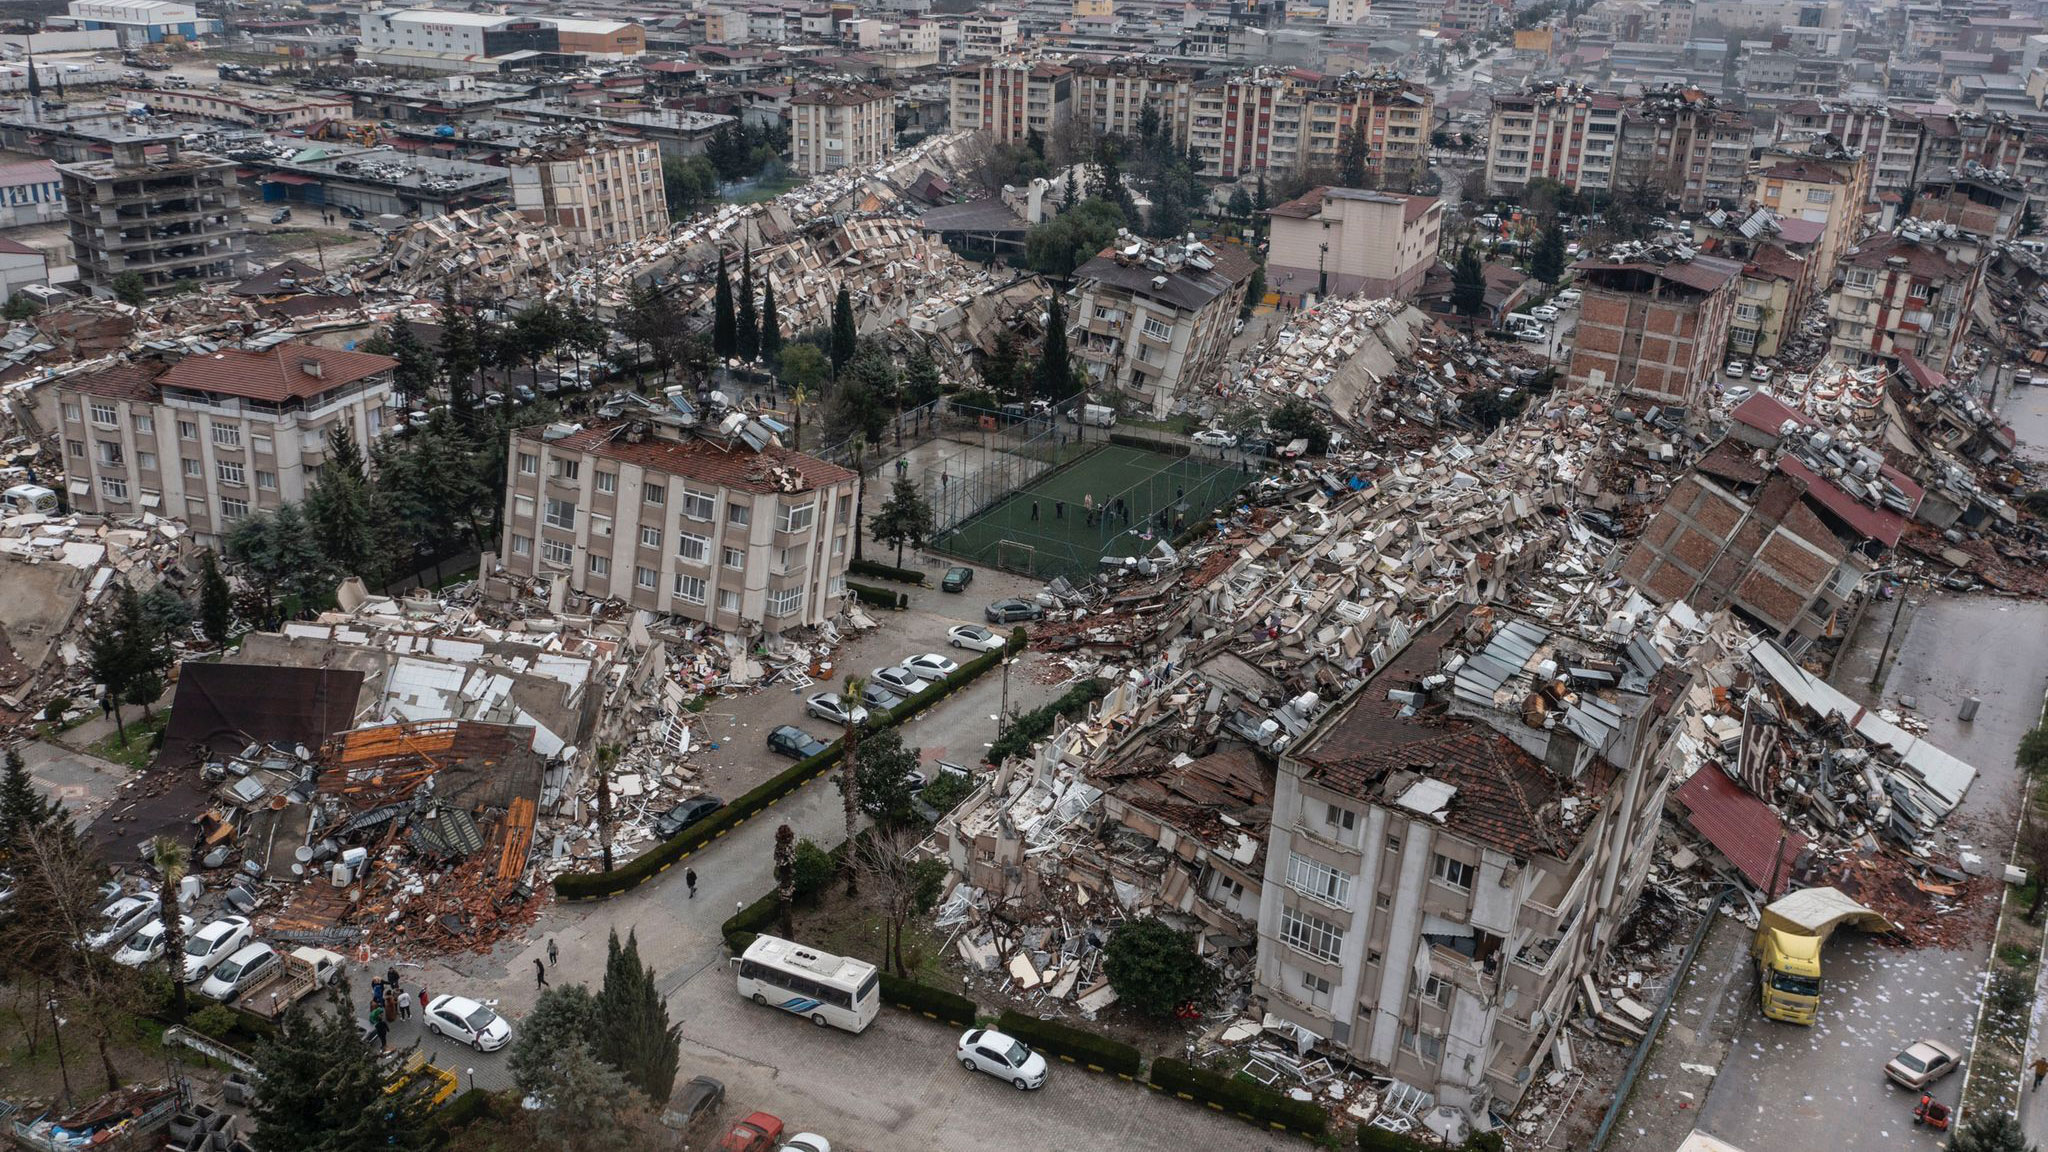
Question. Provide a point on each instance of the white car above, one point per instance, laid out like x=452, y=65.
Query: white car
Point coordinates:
x=241, y=971
x=1736, y=368
x=806, y=1142
x=1545, y=313
x=124, y=917
x=931, y=666
x=834, y=707
x=1736, y=395
x=1568, y=297
x=468, y=1021
x=1002, y=1056
x=1760, y=372
x=1215, y=438
x=213, y=944
x=147, y=945
x=901, y=681
x=975, y=637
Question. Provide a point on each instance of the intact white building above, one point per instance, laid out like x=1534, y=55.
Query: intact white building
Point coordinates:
x=142, y=21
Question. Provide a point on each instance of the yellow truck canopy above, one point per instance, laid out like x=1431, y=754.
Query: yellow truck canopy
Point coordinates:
x=1818, y=912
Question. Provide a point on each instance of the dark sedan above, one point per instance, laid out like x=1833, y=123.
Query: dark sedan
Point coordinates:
x=957, y=579
x=794, y=742
x=673, y=822
x=1010, y=611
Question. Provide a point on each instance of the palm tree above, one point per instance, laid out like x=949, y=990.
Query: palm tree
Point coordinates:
x=171, y=859
x=785, y=878
x=849, y=775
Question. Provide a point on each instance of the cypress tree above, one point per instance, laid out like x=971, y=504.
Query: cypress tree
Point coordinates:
x=1055, y=371
x=725, y=337
x=749, y=320
x=633, y=1032
x=845, y=337
x=771, y=324
x=215, y=602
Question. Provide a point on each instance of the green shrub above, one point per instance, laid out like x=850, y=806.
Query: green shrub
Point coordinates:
x=815, y=868
x=1075, y=1044
x=1371, y=1139
x=1239, y=1096
x=55, y=709
x=1486, y=1142
x=946, y=791
x=215, y=1020
x=885, y=572
x=467, y=1106
x=950, y=1007
x=751, y=921
x=879, y=597
x=1033, y=726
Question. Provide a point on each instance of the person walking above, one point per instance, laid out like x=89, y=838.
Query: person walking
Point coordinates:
x=2040, y=1067
x=553, y=955
x=376, y=991
x=540, y=973
x=404, y=1004
x=423, y=999
x=1034, y=509
x=379, y=1026
x=690, y=874
x=1059, y=509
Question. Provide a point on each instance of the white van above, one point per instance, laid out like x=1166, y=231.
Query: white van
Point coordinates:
x=1095, y=414
x=250, y=966
x=1516, y=321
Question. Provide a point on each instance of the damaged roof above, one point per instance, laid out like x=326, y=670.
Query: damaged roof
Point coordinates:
x=730, y=466
x=219, y=705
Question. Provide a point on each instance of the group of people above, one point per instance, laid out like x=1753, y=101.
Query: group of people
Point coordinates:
x=389, y=999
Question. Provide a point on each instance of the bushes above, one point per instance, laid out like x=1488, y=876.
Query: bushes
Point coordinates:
x=885, y=572
x=1239, y=1096
x=1074, y=1044
x=878, y=597
x=1161, y=445
x=1371, y=1139
x=950, y=1007
x=1033, y=726
x=741, y=927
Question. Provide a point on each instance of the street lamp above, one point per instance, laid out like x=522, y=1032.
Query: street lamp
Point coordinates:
x=1322, y=276
x=1003, y=714
x=57, y=1031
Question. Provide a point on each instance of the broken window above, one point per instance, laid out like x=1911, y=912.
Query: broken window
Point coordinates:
x=1315, y=991
x=1437, y=992
x=699, y=505
x=187, y=429
x=1454, y=873
x=794, y=518
x=1426, y=1045
x=556, y=552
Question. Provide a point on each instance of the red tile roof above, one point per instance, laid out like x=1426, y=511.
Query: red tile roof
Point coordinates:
x=275, y=374
x=1742, y=827
x=135, y=381
x=1881, y=524
x=736, y=467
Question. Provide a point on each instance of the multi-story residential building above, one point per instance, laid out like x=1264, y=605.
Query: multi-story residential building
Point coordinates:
x=1567, y=134
x=1822, y=183
x=1440, y=872
x=1654, y=328
x=171, y=218
x=1348, y=12
x=841, y=126
x=1684, y=142
x=1012, y=97
x=1470, y=17
x=1341, y=241
x=1149, y=325
x=596, y=191
x=1111, y=96
x=215, y=437
x=1908, y=291
x=661, y=512
x=1286, y=120
x=1676, y=140
x=1778, y=273
x=1982, y=202
x=985, y=37
x=30, y=193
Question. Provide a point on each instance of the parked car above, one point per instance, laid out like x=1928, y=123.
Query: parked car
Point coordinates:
x=806, y=1142
x=759, y=1132
x=1215, y=438
x=794, y=742
x=899, y=680
x=673, y=822
x=1736, y=368
x=974, y=636
x=1922, y=1063
x=1002, y=1056
x=699, y=1098
x=1545, y=312
x=1568, y=297
x=494, y=399
x=464, y=1019
x=122, y=919
x=214, y=943
x=361, y=226
x=351, y=211
x=1736, y=394
x=1009, y=611
x=524, y=393
x=1256, y=446
x=834, y=707
x=147, y=945
x=878, y=697
x=2023, y=376
x=280, y=216
x=250, y=966
x=957, y=579
x=931, y=665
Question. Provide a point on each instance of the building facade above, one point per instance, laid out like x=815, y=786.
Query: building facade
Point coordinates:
x=1150, y=325
x=660, y=516
x=841, y=126
x=1655, y=330
x=1342, y=241
x=1111, y=97
x=1821, y=192
x=1571, y=136
x=1012, y=97
x=1909, y=291
x=984, y=37
x=1679, y=142
x=596, y=192
x=167, y=215
x=1284, y=120
x=30, y=193
x=252, y=109
x=141, y=22
x=213, y=438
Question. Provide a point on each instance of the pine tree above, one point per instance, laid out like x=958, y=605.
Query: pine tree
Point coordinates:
x=1055, y=376
x=325, y=1090
x=339, y=508
x=416, y=368
x=749, y=321
x=904, y=519
x=1354, y=159
x=1546, y=263
x=1468, y=284
x=216, y=602
x=785, y=878
x=999, y=367
x=725, y=337
x=771, y=323
x=111, y=653
x=849, y=778
x=22, y=808
x=563, y=1018
x=633, y=1031
x=460, y=355
x=845, y=336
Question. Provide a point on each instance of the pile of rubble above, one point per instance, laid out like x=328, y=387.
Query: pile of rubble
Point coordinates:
x=490, y=251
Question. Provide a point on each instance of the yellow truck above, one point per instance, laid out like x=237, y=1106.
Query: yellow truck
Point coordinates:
x=1787, y=948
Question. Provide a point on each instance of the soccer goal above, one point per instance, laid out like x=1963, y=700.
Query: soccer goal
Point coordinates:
x=1012, y=556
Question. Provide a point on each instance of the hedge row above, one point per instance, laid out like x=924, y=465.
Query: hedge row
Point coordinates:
x=1162, y=445
x=742, y=926
x=948, y=1007
x=1073, y=1044
x=1033, y=726
x=879, y=597
x=885, y=572
x=1371, y=1139
x=1242, y=1097
x=661, y=857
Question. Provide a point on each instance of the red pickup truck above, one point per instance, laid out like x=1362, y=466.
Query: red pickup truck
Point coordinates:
x=759, y=1132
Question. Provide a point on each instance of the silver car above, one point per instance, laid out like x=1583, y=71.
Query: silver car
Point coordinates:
x=834, y=707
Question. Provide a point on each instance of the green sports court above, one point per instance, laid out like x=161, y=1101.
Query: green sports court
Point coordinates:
x=1060, y=540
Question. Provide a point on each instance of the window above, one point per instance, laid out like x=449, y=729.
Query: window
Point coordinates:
x=267, y=481
x=315, y=441
x=692, y=547
x=728, y=601
x=568, y=469
x=188, y=430
x=1315, y=990
x=1437, y=992
x=1820, y=196
x=1861, y=277
x=71, y=413
x=227, y=435
x=1745, y=311
x=146, y=461
x=1393, y=843
x=644, y=577
x=650, y=537
x=1317, y=879
x=1423, y=1044
x=1372, y=956
x=230, y=472
x=699, y=505
x=232, y=509
x=794, y=519
x=77, y=448
x=113, y=488
x=1455, y=873
x=600, y=565
x=654, y=493
x=785, y=601
x=607, y=482
x=556, y=552
x=739, y=514
x=194, y=469
x=1311, y=934
x=529, y=464
x=103, y=413
x=690, y=589
x=1382, y=901
x=110, y=452
x=1158, y=331
x=1342, y=818
x=561, y=514
x=734, y=558
x=522, y=545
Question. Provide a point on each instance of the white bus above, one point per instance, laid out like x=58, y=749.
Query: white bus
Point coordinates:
x=836, y=990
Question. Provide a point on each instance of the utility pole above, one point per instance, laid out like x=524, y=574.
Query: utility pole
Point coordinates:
x=1877, y=673
x=57, y=1030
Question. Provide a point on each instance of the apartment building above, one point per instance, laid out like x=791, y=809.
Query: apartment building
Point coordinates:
x=1111, y=96
x=1152, y=322
x=1470, y=17
x=1779, y=276
x=1680, y=141
x=1288, y=120
x=984, y=37
x=1908, y=291
x=1683, y=141
x=1012, y=97
x=1655, y=326
x=212, y=438
x=1341, y=241
x=597, y=191
x=1440, y=872
x=1823, y=184
x=170, y=216
x=1348, y=12
x=1567, y=134
x=659, y=512
x=841, y=126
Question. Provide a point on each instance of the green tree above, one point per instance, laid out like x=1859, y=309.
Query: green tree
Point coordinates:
x=1240, y=203
x=170, y=859
x=21, y=306
x=590, y=1106
x=414, y=375
x=276, y=550
x=1055, y=377
x=905, y=518
x=1297, y=419
x=2030, y=223
x=1170, y=217
x=882, y=779
x=802, y=369
x=114, y=656
x=749, y=322
x=167, y=612
x=634, y=1034
x=845, y=334
x=1355, y=159
x=725, y=333
x=922, y=382
x=899, y=881
x=22, y=808
x=1546, y=261
x=1468, y=284
x=341, y=509
x=785, y=879
x=1990, y=1131
x=130, y=289
x=563, y=1018
x=851, y=751
x=1155, y=969
x=325, y=1090
x=1108, y=183
x=999, y=366
x=1067, y=241
x=461, y=357
x=771, y=323
x=216, y=603
x=1254, y=292
x=2033, y=750
x=861, y=403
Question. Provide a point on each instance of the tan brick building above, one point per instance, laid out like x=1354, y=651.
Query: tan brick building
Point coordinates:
x=596, y=192
x=1655, y=330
